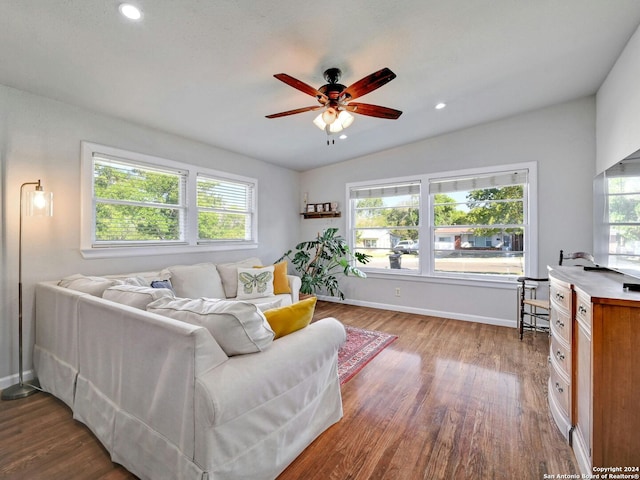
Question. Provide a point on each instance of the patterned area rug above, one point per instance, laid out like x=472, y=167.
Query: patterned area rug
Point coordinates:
x=359, y=349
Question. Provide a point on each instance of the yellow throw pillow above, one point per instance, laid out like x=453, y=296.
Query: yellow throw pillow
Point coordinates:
x=286, y=320
x=280, y=280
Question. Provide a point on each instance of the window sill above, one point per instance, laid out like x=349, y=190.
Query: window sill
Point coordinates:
x=120, y=252
x=492, y=282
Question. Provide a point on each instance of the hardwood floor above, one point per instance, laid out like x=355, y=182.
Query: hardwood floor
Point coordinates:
x=448, y=399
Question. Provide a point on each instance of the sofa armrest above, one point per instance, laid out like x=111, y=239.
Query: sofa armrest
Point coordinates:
x=137, y=373
x=246, y=381
x=294, y=284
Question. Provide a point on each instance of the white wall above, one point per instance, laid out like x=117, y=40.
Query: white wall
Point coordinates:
x=40, y=139
x=618, y=108
x=561, y=139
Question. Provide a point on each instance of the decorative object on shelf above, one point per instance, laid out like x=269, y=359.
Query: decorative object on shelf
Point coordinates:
x=321, y=210
x=320, y=261
x=38, y=204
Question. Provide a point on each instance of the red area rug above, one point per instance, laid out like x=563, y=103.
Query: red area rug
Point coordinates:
x=359, y=349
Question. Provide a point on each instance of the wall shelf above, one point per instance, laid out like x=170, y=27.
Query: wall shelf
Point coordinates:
x=320, y=214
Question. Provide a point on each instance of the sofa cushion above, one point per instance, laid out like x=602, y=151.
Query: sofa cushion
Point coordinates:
x=277, y=303
x=86, y=284
x=136, y=281
x=229, y=274
x=286, y=320
x=162, y=284
x=255, y=282
x=195, y=281
x=136, y=296
x=280, y=280
x=238, y=327
x=147, y=277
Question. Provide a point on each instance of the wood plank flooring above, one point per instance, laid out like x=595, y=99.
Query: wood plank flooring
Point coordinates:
x=447, y=400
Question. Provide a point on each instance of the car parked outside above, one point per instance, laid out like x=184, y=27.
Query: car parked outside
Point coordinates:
x=403, y=246
x=415, y=248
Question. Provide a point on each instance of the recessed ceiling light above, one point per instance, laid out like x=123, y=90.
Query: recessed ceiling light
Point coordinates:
x=440, y=106
x=130, y=11
x=342, y=137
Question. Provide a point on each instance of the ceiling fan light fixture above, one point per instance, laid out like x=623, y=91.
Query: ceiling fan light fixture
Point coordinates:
x=329, y=115
x=343, y=120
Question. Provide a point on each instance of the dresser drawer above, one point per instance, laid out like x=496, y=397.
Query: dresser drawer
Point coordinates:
x=559, y=388
x=560, y=322
x=583, y=310
x=560, y=296
x=561, y=353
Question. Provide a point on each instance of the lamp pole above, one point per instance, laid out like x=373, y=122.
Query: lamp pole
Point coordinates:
x=21, y=389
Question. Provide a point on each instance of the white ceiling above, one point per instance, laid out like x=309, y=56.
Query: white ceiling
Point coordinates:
x=204, y=69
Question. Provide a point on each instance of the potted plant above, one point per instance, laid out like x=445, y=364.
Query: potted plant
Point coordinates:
x=320, y=261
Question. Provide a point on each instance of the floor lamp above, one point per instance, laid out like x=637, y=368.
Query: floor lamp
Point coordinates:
x=37, y=203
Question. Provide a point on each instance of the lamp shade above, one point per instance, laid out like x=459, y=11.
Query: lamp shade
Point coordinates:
x=343, y=120
x=38, y=203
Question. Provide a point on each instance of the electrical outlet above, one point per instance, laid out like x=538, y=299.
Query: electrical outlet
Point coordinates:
x=397, y=292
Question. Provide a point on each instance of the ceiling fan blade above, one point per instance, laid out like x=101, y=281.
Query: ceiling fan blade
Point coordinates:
x=373, y=110
x=369, y=83
x=303, y=87
x=297, y=110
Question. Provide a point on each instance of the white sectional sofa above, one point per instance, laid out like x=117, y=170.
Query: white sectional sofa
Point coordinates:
x=162, y=394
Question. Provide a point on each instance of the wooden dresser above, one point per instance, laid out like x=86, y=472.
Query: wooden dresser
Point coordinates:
x=594, y=366
x=560, y=346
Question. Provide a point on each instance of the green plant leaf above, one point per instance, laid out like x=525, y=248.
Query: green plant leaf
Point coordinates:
x=318, y=262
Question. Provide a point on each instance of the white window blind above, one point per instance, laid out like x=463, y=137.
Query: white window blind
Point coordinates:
x=137, y=203
x=225, y=209
x=381, y=191
x=477, y=182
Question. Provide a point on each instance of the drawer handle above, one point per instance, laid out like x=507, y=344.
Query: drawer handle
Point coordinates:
x=559, y=388
x=560, y=323
x=559, y=296
x=582, y=310
x=560, y=355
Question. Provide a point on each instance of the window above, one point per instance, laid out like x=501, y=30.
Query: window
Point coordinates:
x=133, y=204
x=471, y=224
x=225, y=209
x=484, y=217
x=385, y=218
x=621, y=215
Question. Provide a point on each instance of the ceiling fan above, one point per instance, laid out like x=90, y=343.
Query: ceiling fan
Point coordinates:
x=336, y=99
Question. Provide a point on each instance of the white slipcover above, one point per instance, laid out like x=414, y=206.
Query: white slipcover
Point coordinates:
x=165, y=400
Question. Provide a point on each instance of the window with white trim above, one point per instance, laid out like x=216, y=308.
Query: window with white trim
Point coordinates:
x=135, y=203
x=385, y=218
x=225, y=209
x=470, y=224
x=479, y=222
x=131, y=201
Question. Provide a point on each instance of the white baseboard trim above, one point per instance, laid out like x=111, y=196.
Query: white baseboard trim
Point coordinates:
x=501, y=322
x=14, y=379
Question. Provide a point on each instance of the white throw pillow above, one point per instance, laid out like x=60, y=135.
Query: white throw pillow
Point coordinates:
x=137, y=281
x=229, y=274
x=238, y=327
x=136, y=296
x=269, y=305
x=93, y=285
x=255, y=282
x=195, y=281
